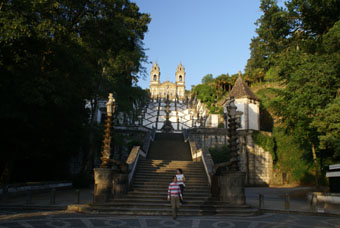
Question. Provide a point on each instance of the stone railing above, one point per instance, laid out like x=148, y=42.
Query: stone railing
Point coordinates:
x=150, y=137
x=195, y=154
x=200, y=155
x=208, y=164
x=132, y=161
x=137, y=151
x=185, y=135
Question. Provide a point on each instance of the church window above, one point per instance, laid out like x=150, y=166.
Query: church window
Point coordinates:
x=155, y=77
x=180, y=78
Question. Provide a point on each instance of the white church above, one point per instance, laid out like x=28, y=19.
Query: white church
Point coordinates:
x=184, y=116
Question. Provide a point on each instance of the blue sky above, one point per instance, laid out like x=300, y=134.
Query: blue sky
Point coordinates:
x=206, y=36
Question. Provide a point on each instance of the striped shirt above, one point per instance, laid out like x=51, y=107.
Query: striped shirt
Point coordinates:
x=174, y=190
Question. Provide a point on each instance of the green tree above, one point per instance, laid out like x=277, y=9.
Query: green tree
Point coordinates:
x=55, y=55
x=300, y=51
x=327, y=123
x=207, y=79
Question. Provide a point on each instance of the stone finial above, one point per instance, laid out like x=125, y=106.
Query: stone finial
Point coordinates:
x=180, y=67
x=155, y=66
x=110, y=104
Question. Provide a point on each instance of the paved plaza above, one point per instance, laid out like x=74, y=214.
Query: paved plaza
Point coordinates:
x=15, y=213
x=66, y=219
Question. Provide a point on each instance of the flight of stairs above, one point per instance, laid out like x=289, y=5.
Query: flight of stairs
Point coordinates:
x=148, y=195
x=170, y=146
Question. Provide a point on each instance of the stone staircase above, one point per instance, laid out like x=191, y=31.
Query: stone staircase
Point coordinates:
x=170, y=146
x=148, y=195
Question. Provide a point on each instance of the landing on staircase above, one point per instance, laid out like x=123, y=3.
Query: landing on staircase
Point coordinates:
x=170, y=146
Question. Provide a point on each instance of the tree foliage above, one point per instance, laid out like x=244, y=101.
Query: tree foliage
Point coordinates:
x=213, y=90
x=298, y=47
x=55, y=55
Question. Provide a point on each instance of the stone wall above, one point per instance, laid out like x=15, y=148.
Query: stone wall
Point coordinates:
x=254, y=160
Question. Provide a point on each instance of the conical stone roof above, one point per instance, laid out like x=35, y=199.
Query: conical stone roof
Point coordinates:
x=241, y=89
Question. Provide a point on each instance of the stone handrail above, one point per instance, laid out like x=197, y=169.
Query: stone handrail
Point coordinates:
x=208, y=164
x=201, y=154
x=136, y=151
x=147, y=142
x=185, y=134
x=132, y=161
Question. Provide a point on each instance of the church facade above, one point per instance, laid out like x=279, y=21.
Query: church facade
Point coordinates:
x=167, y=89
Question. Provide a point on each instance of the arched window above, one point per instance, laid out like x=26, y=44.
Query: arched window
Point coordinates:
x=180, y=78
x=155, y=77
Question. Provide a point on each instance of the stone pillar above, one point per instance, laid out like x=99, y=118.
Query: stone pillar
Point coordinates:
x=102, y=184
x=232, y=187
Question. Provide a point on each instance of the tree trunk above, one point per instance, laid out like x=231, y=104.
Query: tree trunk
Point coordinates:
x=88, y=163
x=316, y=165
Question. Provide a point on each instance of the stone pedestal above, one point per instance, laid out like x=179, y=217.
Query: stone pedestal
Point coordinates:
x=102, y=185
x=119, y=184
x=232, y=187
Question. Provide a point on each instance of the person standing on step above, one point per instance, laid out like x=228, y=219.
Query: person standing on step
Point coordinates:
x=180, y=180
x=174, y=193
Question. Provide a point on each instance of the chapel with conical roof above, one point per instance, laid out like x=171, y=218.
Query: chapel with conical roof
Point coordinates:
x=246, y=102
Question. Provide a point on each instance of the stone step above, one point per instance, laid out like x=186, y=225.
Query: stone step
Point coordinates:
x=170, y=168
x=160, y=200
x=166, y=204
x=187, y=202
x=163, y=211
x=165, y=186
x=184, y=164
x=165, y=194
x=142, y=196
x=166, y=181
x=172, y=172
x=169, y=162
x=166, y=175
x=157, y=175
x=159, y=189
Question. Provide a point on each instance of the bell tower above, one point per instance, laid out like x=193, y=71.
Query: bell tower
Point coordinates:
x=180, y=74
x=180, y=81
x=154, y=80
x=155, y=74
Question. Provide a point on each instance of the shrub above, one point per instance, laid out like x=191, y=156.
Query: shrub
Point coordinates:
x=220, y=154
